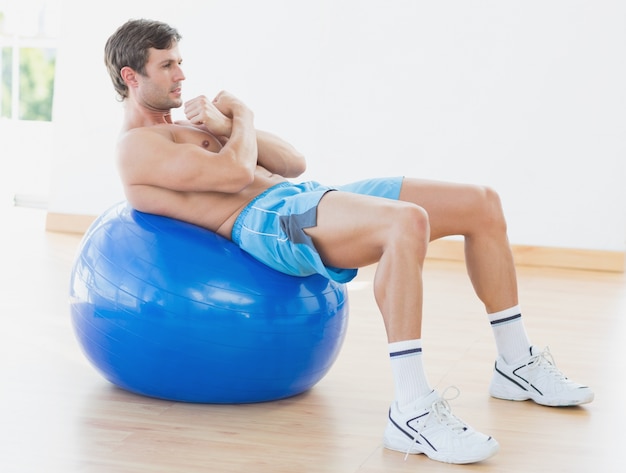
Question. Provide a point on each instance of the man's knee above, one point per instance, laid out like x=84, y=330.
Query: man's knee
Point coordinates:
x=410, y=221
x=490, y=211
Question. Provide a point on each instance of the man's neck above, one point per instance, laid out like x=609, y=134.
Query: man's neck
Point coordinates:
x=138, y=117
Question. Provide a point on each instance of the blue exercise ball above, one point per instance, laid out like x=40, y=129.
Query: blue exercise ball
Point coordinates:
x=170, y=310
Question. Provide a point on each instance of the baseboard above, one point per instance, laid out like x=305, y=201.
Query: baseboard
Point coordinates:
x=451, y=250
x=68, y=223
x=570, y=258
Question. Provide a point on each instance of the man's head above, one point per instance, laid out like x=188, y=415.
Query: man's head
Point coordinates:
x=130, y=47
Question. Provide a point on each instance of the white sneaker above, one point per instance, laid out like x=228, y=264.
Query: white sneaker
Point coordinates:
x=429, y=427
x=537, y=378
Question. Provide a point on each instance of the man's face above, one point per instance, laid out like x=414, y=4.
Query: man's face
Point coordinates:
x=160, y=88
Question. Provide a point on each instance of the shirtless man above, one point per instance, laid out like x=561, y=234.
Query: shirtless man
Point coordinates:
x=217, y=171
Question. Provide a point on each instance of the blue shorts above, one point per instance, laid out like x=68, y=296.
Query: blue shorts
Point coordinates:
x=271, y=227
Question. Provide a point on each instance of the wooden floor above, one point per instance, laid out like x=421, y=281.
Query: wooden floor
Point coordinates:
x=58, y=415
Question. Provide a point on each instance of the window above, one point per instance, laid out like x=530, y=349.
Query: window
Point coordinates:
x=28, y=42
x=28, y=32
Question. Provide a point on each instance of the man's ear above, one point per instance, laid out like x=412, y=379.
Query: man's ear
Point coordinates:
x=129, y=76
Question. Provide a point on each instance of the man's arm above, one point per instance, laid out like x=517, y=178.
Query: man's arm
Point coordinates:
x=274, y=153
x=150, y=157
x=278, y=156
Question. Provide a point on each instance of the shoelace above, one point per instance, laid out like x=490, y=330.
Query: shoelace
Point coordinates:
x=546, y=361
x=441, y=410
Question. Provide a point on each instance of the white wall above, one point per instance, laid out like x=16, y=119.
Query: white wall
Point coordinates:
x=526, y=96
x=25, y=160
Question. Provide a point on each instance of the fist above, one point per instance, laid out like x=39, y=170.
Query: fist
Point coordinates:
x=228, y=104
x=202, y=111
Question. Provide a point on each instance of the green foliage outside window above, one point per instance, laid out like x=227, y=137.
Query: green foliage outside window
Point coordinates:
x=36, y=78
x=6, y=55
x=36, y=83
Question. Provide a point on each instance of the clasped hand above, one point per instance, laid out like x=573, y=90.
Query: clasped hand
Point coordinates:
x=215, y=114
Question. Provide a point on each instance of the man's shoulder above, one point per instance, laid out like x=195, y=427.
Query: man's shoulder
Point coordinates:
x=145, y=132
x=166, y=129
x=139, y=141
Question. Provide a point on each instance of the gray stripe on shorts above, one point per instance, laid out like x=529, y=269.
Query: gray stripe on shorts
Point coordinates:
x=294, y=225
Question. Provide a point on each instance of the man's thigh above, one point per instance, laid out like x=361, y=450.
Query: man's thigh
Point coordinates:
x=352, y=228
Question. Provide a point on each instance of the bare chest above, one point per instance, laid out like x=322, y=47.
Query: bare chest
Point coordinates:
x=193, y=135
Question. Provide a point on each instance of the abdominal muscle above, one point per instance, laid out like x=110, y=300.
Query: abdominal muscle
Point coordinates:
x=215, y=211
x=263, y=180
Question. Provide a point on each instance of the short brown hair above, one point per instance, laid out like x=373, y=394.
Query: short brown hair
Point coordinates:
x=130, y=44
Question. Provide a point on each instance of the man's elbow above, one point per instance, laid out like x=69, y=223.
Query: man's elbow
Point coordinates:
x=240, y=179
x=297, y=166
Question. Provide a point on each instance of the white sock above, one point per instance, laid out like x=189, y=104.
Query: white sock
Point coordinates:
x=511, y=339
x=408, y=371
